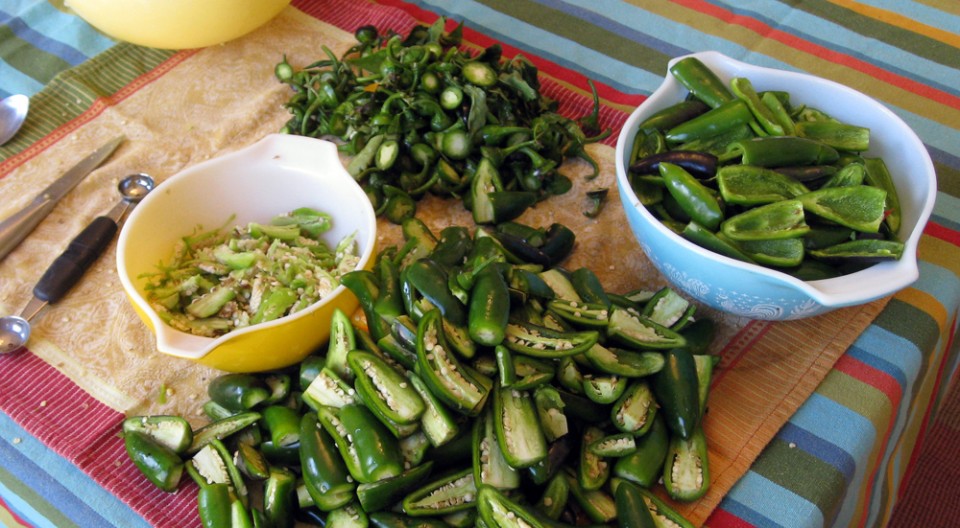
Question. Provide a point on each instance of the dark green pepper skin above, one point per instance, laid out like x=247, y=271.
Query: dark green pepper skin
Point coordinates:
x=213, y=504
x=161, y=465
x=692, y=480
x=703, y=165
x=676, y=388
x=365, y=286
x=785, y=151
x=721, y=119
x=238, y=392
x=384, y=493
x=279, y=497
x=674, y=114
x=489, y=308
x=378, y=451
x=324, y=473
x=692, y=196
x=428, y=279
x=384, y=519
x=632, y=511
x=645, y=465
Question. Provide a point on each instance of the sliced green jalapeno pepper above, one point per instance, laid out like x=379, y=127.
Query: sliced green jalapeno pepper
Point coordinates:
x=640, y=332
x=553, y=501
x=632, y=510
x=879, y=176
x=448, y=494
x=597, y=504
x=385, y=519
x=752, y=185
x=549, y=405
x=386, y=391
x=384, y=493
x=452, y=382
x=692, y=196
x=841, y=136
x=783, y=151
x=860, y=207
x=634, y=411
x=530, y=372
x=279, y=495
x=325, y=474
x=675, y=387
x=518, y=428
x=701, y=81
x=581, y=313
x=328, y=390
x=614, y=445
x=864, y=250
x=686, y=471
x=498, y=511
x=541, y=341
x=348, y=516
x=592, y=470
x=707, y=239
x=668, y=308
x=425, y=280
x=490, y=466
x=214, y=504
x=645, y=465
x=389, y=301
x=489, y=308
x=604, y=389
x=158, y=462
x=778, y=220
x=238, y=392
x=366, y=287
x=221, y=429
x=674, y=114
x=436, y=422
x=715, y=122
x=251, y=462
x=368, y=449
x=172, y=431
x=554, y=463
x=283, y=424
x=743, y=89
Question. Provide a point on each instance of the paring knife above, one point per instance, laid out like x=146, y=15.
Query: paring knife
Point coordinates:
x=15, y=228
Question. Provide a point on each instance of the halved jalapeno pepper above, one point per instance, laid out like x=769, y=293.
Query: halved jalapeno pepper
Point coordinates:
x=462, y=389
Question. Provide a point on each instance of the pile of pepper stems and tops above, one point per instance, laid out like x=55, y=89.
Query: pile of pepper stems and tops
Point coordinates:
x=486, y=385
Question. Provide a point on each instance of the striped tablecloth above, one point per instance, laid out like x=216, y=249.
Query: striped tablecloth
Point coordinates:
x=840, y=459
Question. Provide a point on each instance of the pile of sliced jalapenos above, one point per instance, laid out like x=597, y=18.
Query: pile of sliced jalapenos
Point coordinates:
x=488, y=387
x=420, y=115
x=748, y=175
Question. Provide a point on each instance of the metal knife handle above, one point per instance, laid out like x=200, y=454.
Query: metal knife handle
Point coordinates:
x=81, y=253
x=15, y=228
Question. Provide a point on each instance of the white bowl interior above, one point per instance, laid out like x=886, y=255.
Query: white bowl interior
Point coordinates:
x=273, y=176
x=891, y=139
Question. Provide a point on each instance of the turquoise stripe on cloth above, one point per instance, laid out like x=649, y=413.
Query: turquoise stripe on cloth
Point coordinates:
x=60, y=493
x=782, y=507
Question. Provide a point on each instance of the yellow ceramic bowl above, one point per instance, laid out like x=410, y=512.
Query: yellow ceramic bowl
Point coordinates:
x=176, y=24
x=273, y=176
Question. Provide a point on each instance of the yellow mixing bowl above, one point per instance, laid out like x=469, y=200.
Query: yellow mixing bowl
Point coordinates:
x=275, y=175
x=176, y=24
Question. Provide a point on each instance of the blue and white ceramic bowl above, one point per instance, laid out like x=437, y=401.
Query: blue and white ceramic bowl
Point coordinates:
x=756, y=292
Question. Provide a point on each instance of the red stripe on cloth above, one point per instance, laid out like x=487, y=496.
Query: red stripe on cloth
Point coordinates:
x=894, y=392
x=76, y=426
x=806, y=46
x=12, y=515
x=723, y=519
x=943, y=233
x=931, y=410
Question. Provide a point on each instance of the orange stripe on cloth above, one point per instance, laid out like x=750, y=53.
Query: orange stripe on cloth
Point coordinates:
x=900, y=21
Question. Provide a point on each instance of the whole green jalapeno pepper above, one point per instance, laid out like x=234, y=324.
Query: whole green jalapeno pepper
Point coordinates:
x=692, y=196
x=324, y=473
x=675, y=387
x=632, y=511
x=702, y=82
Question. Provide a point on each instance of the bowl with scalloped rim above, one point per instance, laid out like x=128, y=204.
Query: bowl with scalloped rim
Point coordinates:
x=274, y=176
x=753, y=291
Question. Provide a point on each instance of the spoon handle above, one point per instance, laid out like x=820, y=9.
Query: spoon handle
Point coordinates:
x=81, y=253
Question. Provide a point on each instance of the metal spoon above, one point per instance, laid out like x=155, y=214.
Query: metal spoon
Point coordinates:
x=67, y=269
x=13, y=111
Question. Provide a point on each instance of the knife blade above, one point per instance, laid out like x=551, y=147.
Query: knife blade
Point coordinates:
x=20, y=224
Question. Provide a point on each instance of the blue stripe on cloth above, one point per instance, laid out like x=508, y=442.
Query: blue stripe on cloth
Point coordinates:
x=40, y=40
x=832, y=36
x=838, y=425
x=819, y=448
x=618, y=75
x=779, y=506
x=22, y=509
x=43, y=18
x=14, y=81
x=59, y=482
x=946, y=211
